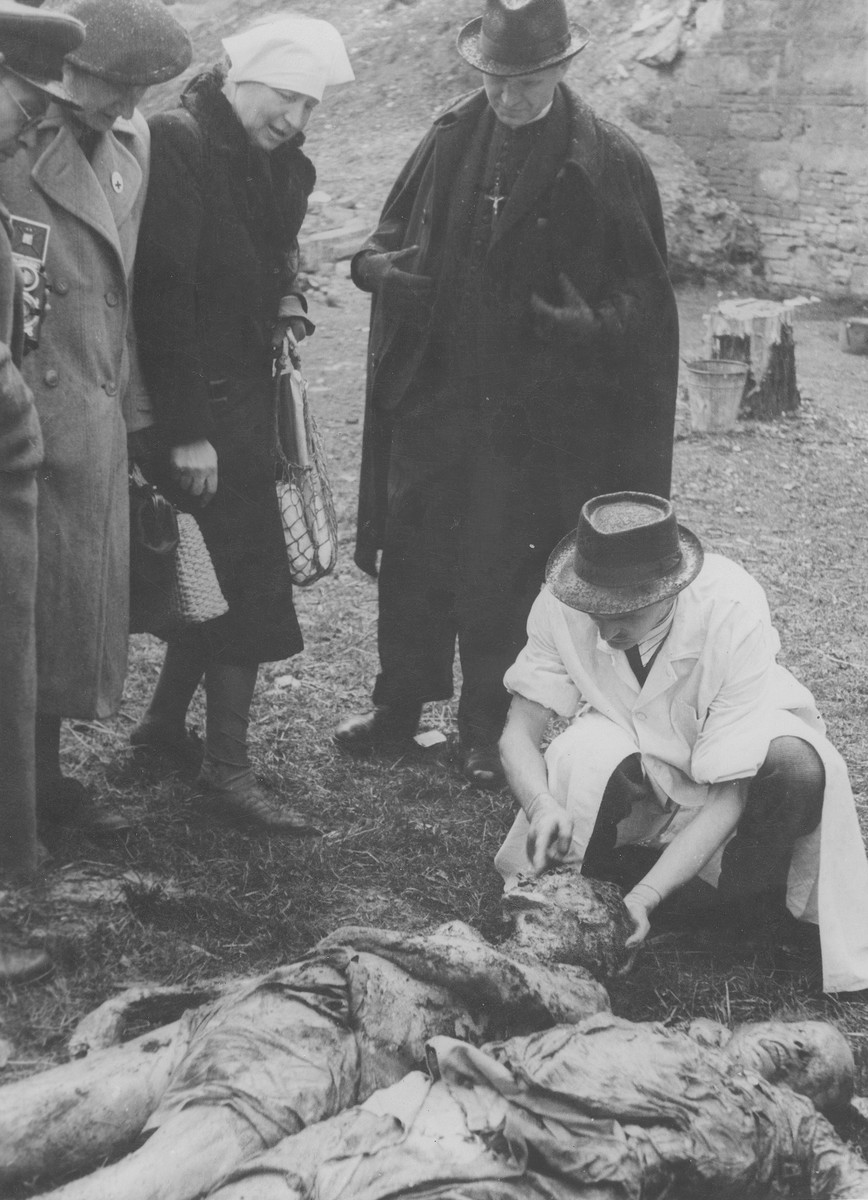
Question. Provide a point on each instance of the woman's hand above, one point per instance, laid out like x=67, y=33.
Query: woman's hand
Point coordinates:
x=551, y=831
x=194, y=468
x=297, y=326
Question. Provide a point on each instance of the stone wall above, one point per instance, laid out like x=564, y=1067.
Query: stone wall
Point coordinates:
x=770, y=99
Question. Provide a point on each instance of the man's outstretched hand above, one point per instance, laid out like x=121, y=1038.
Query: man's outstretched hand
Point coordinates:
x=573, y=323
x=550, y=834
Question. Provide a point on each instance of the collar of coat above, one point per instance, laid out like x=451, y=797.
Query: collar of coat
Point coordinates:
x=586, y=151
x=57, y=117
x=61, y=172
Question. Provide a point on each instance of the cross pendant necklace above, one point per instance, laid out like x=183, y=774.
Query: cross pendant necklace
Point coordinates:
x=496, y=198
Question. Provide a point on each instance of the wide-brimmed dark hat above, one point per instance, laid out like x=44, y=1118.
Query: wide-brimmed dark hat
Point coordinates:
x=515, y=37
x=132, y=42
x=627, y=552
x=34, y=43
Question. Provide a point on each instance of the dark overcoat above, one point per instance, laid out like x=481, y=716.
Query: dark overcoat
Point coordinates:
x=79, y=377
x=595, y=216
x=217, y=259
x=20, y=455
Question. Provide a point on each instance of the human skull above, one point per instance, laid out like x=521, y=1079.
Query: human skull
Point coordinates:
x=563, y=916
x=811, y=1057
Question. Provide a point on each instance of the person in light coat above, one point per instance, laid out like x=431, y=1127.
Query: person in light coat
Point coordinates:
x=82, y=177
x=686, y=736
x=32, y=47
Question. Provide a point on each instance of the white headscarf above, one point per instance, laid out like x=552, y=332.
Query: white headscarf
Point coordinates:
x=292, y=54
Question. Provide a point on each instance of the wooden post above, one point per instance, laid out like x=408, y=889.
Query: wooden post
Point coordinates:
x=760, y=333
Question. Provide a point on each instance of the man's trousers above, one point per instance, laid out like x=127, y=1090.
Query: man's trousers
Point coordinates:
x=472, y=517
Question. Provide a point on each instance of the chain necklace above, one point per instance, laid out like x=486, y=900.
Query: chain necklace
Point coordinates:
x=496, y=197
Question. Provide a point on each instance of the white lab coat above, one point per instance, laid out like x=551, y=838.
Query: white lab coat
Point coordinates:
x=713, y=701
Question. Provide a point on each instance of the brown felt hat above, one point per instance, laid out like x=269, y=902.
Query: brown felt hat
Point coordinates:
x=515, y=37
x=33, y=44
x=132, y=42
x=626, y=553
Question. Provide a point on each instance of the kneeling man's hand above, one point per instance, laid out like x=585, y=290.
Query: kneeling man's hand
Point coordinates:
x=551, y=832
x=641, y=924
x=639, y=903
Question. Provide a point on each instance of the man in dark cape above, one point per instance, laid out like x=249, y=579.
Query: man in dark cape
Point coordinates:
x=523, y=357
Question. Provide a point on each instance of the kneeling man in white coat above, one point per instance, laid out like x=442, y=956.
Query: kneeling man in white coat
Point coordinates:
x=685, y=736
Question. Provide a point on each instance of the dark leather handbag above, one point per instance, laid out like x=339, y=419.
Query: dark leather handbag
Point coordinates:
x=154, y=539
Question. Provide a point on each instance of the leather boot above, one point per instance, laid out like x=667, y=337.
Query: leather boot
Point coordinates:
x=243, y=801
x=182, y=746
x=384, y=724
x=60, y=800
x=162, y=729
x=229, y=786
x=63, y=802
x=481, y=766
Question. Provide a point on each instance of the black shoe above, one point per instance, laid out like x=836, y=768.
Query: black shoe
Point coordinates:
x=64, y=802
x=384, y=724
x=244, y=802
x=481, y=766
x=185, y=749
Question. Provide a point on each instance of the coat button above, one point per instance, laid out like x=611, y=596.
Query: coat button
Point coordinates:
x=61, y=287
x=111, y=389
x=640, y=716
x=111, y=299
x=51, y=378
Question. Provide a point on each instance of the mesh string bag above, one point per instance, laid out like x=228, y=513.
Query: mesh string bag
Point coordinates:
x=310, y=526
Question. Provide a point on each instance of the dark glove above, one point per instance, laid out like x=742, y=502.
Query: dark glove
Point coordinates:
x=574, y=323
x=405, y=294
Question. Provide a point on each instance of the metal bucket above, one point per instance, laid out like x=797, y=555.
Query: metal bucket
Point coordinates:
x=715, y=387
x=853, y=335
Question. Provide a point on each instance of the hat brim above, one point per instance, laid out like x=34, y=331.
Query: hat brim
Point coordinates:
x=468, y=48
x=565, y=584
x=52, y=88
x=62, y=31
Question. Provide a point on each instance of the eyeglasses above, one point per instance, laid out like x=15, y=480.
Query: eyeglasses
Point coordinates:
x=31, y=120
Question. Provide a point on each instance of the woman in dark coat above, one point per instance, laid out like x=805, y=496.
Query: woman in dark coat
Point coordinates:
x=215, y=275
